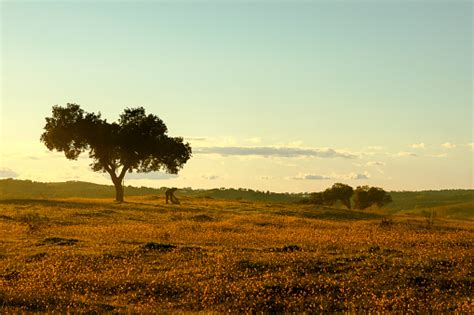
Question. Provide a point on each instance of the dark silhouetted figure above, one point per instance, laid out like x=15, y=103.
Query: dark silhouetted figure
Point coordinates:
x=171, y=197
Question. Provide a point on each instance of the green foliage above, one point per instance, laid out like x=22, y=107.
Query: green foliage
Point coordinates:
x=137, y=142
x=316, y=198
x=365, y=197
x=338, y=191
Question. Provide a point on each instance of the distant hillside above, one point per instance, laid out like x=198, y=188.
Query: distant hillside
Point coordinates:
x=403, y=200
x=27, y=189
x=463, y=210
x=455, y=203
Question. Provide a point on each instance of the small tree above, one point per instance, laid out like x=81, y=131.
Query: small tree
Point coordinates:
x=338, y=191
x=137, y=142
x=365, y=196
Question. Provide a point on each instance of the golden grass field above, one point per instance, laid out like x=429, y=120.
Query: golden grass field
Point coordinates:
x=206, y=255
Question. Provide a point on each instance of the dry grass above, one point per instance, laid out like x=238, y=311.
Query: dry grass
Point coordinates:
x=97, y=256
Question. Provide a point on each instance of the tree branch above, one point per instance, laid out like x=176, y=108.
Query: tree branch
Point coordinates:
x=123, y=172
x=107, y=168
x=113, y=176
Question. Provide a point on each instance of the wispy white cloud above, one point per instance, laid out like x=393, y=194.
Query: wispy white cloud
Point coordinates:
x=350, y=176
x=254, y=140
x=295, y=143
x=371, y=151
x=195, y=138
x=375, y=147
x=287, y=152
x=448, y=145
x=151, y=175
x=418, y=145
x=406, y=154
x=8, y=173
x=357, y=176
x=209, y=177
x=311, y=177
x=375, y=163
x=441, y=155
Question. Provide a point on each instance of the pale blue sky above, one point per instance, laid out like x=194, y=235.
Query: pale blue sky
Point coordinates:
x=365, y=78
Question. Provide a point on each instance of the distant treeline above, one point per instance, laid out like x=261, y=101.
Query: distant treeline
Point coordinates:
x=402, y=200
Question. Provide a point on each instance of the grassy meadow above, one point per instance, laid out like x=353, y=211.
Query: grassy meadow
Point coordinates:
x=213, y=255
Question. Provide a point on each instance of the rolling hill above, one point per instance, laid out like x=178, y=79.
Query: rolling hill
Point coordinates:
x=455, y=203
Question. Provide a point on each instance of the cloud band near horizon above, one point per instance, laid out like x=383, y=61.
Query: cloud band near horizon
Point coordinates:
x=350, y=176
x=287, y=152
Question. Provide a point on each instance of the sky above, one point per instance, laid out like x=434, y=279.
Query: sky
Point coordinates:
x=286, y=96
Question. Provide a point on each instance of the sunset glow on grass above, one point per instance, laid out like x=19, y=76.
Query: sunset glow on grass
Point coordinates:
x=229, y=156
x=208, y=255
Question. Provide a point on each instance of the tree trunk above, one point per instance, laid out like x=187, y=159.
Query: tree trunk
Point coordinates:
x=347, y=203
x=118, y=191
x=117, y=180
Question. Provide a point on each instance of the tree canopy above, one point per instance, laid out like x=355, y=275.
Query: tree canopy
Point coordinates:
x=330, y=196
x=137, y=142
x=362, y=197
x=365, y=197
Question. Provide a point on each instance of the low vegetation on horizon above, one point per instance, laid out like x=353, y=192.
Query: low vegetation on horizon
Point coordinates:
x=455, y=203
x=218, y=255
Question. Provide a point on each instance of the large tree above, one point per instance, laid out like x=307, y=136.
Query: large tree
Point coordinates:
x=137, y=142
x=338, y=191
x=365, y=197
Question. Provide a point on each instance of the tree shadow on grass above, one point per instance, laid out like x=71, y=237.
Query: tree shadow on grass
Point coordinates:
x=50, y=203
x=331, y=214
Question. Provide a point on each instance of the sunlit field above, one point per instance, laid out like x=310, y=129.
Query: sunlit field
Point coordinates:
x=206, y=255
